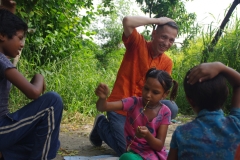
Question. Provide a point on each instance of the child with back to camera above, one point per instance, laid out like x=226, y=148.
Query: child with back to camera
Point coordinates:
x=211, y=135
x=32, y=131
x=147, y=119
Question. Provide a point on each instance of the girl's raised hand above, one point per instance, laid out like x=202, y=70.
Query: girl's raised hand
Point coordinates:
x=9, y=5
x=102, y=91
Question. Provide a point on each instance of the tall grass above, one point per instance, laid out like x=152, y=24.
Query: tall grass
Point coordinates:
x=183, y=61
x=76, y=76
x=226, y=51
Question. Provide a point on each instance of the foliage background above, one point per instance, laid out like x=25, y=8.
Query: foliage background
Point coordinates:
x=63, y=45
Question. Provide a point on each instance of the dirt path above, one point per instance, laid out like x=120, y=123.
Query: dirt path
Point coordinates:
x=74, y=141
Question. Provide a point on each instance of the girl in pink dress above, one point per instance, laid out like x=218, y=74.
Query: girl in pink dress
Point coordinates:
x=147, y=119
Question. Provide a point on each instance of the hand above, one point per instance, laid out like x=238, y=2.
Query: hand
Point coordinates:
x=142, y=131
x=38, y=80
x=164, y=20
x=9, y=5
x=102, y=91
x=204, y=72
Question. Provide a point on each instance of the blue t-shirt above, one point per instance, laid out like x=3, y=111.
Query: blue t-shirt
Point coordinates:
x=210, y=136
x=5, y=85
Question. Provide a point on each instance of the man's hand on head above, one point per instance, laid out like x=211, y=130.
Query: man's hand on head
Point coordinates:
x=164, y=20
x=9, y=5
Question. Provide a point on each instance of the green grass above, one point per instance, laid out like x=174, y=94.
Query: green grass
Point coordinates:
x=76, y=76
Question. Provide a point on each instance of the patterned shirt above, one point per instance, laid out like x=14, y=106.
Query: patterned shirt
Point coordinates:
x=5, y=85
x=135, y=118
x=210, y=136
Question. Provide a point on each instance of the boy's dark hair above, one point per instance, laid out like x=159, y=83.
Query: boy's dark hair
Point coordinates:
x=170, y=24
x=165, y=80
x=10, y=23
x=210, y=94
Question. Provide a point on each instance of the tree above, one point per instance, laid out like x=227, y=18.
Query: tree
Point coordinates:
x=57, y=27
x=174, y=9
x=109, y=29
x=209, y=48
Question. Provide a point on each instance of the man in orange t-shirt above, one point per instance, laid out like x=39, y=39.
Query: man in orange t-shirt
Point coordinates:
x=140, y=56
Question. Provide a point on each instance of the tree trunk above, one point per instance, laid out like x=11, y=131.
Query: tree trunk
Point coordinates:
x=209, y=48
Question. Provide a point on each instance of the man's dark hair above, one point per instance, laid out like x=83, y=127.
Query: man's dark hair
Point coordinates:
x=10, y=23
x=210, y=94
x=170, y=24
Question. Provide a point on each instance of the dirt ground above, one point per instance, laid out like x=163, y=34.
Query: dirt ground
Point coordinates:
x=74, y=141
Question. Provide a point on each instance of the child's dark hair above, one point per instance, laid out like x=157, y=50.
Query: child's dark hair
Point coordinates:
x=165, y=80
x=170, y=24
x=10, y=24
x=210, y=94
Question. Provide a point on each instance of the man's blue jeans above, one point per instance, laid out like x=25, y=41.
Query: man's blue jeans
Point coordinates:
x=111, y=129
x=172, y=106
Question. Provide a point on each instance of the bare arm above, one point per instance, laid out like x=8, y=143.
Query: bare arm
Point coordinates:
x=131, y=22
x=173, y=154
x=102, y=92
x=31, y=89
x=156, y=143
x=209, y=70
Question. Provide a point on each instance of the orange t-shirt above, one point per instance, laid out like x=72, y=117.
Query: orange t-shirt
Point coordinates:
x=135, y=64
